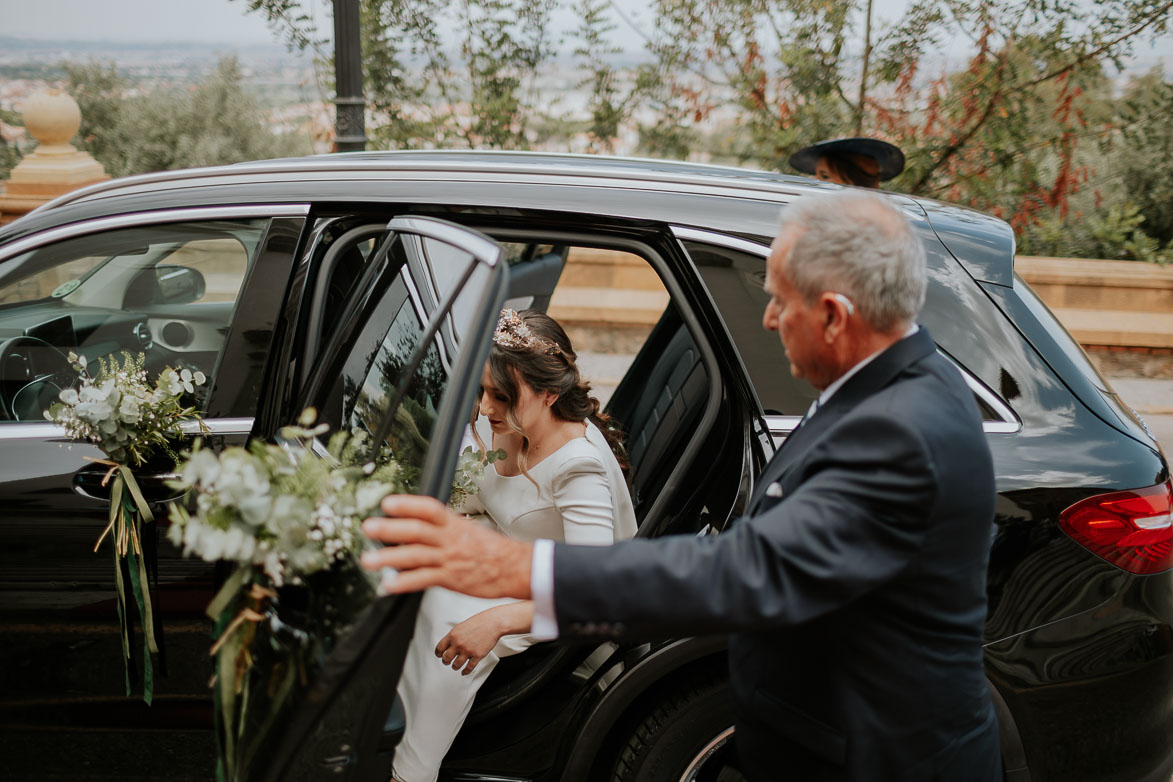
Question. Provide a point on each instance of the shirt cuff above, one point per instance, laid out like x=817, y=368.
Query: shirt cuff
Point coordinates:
x=541, y=582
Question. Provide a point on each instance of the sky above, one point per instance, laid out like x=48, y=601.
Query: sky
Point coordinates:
x=203, y=21
x=226, y=22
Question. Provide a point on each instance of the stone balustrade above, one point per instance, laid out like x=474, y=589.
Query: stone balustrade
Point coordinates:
x=55, y=167
x=1106, y=304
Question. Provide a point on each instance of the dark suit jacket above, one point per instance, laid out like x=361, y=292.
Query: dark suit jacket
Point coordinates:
x=855, y=591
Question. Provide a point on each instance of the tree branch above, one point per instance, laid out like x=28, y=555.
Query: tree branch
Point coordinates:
x=863, y=76
x=1001, y=93
x=1152, y=19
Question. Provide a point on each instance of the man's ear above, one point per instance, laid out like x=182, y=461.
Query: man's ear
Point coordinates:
x=837, y=308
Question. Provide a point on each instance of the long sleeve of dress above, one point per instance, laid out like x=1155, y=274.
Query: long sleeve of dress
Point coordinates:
x=583, y=496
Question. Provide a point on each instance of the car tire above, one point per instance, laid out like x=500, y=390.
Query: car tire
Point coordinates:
x=686, y=735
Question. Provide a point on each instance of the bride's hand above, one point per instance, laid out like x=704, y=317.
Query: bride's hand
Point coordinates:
x=468, y=642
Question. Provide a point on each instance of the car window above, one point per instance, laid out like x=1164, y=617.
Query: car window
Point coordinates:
x=609, y=301
x=167, y=291
x=735, y=280
x=222, y=262
x=42, y=284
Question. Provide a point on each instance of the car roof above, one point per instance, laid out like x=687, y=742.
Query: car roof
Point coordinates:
x=509, y=165
x=741, y=200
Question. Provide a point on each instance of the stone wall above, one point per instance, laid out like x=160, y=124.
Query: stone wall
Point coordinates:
x=1105, y=304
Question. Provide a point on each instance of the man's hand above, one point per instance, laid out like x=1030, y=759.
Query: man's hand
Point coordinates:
x=432, y=545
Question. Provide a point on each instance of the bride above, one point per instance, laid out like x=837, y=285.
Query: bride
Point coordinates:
x=560, y=479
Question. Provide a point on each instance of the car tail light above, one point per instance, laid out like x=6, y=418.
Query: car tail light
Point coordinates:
x=1131, y=529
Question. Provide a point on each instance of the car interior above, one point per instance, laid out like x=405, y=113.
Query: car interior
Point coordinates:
x=166, y=291
x=662, y=402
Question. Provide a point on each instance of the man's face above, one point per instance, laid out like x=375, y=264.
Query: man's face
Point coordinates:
x=801, y=326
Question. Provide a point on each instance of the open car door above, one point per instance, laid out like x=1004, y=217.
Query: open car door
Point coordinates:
x=403, y=365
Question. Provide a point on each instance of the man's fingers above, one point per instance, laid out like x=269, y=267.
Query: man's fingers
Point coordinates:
x=412, y=581
x=445, y=642
x=402, y=558
x=411, y=506
x=401, y=530
x=459, y=662
x=472, y=663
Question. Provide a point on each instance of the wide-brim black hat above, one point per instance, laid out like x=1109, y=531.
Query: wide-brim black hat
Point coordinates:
x=888, y=157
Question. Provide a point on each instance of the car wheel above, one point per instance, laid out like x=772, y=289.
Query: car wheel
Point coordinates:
x=686, y=737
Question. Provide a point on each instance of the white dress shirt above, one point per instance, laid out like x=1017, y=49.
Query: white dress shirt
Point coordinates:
x=545, y=625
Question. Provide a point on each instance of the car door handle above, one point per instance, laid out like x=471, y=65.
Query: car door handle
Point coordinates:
x=88, y=483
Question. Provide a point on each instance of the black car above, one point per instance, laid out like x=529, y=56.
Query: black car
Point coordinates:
x=274, y=279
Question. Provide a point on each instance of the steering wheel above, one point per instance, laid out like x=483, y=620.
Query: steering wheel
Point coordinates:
x=32, y=374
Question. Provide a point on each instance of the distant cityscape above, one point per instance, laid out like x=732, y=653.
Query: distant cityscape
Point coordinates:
x=285, y=83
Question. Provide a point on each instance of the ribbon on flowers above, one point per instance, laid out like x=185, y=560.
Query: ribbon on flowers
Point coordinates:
x=129, y=510
x=231, y=650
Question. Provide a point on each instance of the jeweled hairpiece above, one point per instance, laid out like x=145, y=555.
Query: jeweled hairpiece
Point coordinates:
x=513, y=332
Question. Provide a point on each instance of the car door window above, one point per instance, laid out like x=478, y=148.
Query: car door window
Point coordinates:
x=400, y=369
x=167, y=291
x=394, y=360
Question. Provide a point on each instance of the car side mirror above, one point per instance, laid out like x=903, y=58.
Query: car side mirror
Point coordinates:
x=166, y=284
x=179, y=284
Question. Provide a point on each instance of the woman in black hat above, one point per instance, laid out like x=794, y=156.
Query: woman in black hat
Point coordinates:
x=860, y=161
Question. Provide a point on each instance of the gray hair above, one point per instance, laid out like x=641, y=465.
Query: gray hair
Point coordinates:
x=857, y=244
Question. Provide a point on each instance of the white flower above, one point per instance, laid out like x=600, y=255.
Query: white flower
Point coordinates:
x=170, y=382
x=212, y=544
x=273, y=567
x=202, y=468
x=129, y=410
x=185, y=378
x=93, y=411
x=68, y=396
x=242, y=483
x=198, y=378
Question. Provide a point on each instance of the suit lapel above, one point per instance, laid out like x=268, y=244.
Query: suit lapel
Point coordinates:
x=878, y=373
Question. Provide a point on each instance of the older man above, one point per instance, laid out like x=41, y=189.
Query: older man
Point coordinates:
x=854, y=592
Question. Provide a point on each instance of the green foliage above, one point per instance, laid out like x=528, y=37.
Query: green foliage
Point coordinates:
x=1028, y=129
x=10, y=154
x=1143, y=163
x=1114, y=234
x=780, y=66
x=607, y=102
x=214, y=123
x=483, y=94
x=1122, y=209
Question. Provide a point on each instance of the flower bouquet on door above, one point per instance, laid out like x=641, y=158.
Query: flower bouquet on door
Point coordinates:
x=286, y=514
x=130, y=420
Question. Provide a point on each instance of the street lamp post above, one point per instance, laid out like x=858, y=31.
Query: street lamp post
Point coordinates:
x=349, y=105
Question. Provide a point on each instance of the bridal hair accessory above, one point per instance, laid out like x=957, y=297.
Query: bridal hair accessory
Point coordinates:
x=512, y=332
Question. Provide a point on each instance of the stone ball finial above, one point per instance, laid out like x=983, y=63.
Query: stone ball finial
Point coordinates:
x=53, y=118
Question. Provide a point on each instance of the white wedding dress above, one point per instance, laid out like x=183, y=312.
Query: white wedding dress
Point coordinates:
x=580, y=497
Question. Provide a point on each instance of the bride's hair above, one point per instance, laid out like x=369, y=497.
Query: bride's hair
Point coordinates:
x=529, y=346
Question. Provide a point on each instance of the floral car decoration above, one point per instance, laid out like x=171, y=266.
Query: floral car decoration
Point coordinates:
x=130, y=420
x=287, y=514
